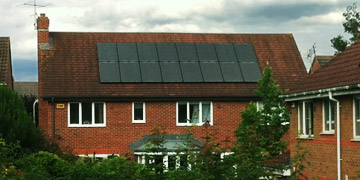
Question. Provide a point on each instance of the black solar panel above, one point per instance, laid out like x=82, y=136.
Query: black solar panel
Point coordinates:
x=147, y=52
x=171, y=72
x=109, y=72
x=211, y=72
x=191, y=72
x=130, y=72
x=167, y=52
x=177, y=62
x=206, y=52
x=186, y=52
x=107, y=52
x=250, y=71
x=226, y=52
x=245, y=53
x=231, y=72
x=150, y=72
x=127, y=52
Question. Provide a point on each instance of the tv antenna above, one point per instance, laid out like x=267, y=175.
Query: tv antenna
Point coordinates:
x=35, y=5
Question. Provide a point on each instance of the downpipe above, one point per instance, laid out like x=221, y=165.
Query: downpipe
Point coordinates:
x=337, y=135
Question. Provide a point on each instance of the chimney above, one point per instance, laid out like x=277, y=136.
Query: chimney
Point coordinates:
x=43, y=29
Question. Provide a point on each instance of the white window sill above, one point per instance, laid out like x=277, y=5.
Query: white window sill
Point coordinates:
x=328, y=133
x=305, y=137
x=355, y=139
x=86, y=126
x=138, y=122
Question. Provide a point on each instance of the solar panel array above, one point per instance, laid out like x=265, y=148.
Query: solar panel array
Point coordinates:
x=177, y=62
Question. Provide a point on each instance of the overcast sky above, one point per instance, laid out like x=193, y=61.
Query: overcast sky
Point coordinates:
x=310, y=21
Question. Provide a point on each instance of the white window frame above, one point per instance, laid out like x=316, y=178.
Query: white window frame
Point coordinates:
x=357, y=98
x=92, y=115
x=200, y=123
x=259, y=105
x=133, y=113
x=142, y=160
x=330, y=131
x=303, y=134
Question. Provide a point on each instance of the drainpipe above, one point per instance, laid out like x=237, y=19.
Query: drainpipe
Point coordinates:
x=337, y=134
x=53, y=118
x=35, y=102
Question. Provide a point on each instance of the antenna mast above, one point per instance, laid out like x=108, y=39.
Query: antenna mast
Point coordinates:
x=33, y=3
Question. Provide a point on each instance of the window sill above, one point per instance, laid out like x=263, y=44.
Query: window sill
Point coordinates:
x=328, y=133
x=355, y=140
x=305, y=137
x=86, y=126
x=139, y=122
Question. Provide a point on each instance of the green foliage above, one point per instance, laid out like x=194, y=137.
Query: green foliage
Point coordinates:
x=351, y=26
x=260, y=132
x=298, y=162
x=15, y=123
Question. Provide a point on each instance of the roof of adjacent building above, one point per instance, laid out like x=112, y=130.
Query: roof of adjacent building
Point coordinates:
x=343, y=70
x=5, y=60
x=70, y=68
x=323, y=60
x=26, y=88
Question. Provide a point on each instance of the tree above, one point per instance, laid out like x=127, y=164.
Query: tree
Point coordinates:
x=260, y=132
x=351, y=26
x=15, y=122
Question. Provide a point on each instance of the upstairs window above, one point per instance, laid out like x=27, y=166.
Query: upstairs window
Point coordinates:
x=86, y=114
x=305, y=121
x=138, y=112
x=357, y=117
x=193, y=113
x=328, y=116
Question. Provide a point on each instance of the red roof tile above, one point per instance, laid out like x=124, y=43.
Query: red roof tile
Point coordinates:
x=70, y=67
x=343, y=70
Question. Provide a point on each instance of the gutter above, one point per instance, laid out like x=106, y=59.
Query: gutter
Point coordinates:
x=338, y=148
x=341, y=90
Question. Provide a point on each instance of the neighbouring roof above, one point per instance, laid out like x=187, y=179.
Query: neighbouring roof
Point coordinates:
x=5, y=60
x=171, y=143
x=26, y=88
x=323, y=60
x=71, y=68
x=343, y=70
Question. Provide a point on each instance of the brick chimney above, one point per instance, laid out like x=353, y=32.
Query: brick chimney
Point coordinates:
x=43, y=29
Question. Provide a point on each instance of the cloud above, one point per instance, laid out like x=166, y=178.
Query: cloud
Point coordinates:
x=331, y=18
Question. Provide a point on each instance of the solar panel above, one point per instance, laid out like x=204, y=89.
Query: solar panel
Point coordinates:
x=147, y=52
x=206, y=52
x=171, y=72
x=127, y=52
x=191, y=72
x=250, y=71
x=231, y=72
x=107, y=52
x=167, y=52
x=245, y=53
x=109, y=72
x=211, y=72
x=130, y=72
x=186, y=52
x=150, y=72
x=225, y=52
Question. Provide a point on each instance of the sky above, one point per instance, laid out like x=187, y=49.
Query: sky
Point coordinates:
x=310, y=21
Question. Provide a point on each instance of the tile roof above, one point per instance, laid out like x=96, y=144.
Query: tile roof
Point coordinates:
x=26, y=88
x=70, y=67
x=323, y=60
x=5, y=59
x=343, y=70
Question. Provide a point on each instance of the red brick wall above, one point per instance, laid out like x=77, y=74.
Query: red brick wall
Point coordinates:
x=322, y=154
x=120, y=132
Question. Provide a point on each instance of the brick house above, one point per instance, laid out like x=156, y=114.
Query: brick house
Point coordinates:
x=6, y=77
x=325, y=117
x=103, y=93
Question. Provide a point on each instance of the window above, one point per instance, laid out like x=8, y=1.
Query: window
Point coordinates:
x=189, y=113
x=138, y=112
x=305, y=122
x=328, y=116
x=168, y=161
x=357, y=117
x=86, y=114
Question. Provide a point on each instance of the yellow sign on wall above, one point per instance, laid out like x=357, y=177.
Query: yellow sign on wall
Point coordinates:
x=60, y=106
